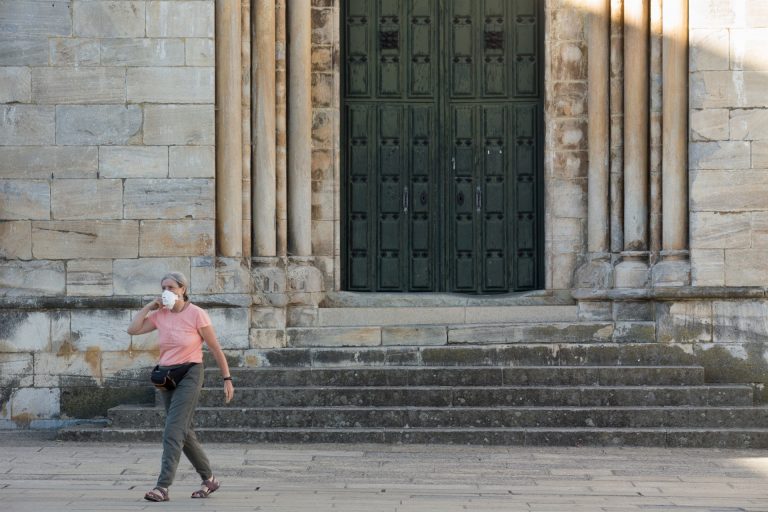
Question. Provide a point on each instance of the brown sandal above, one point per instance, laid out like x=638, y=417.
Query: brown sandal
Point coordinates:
x=157, y=494
x=207, y=488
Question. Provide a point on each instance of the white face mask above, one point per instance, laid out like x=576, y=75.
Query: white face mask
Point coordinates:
x=169, y=298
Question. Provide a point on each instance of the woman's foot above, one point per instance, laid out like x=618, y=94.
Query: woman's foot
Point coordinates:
x=157, y=494
x=207, y=488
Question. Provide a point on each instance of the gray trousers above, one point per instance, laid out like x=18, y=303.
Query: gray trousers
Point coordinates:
x=178, y=434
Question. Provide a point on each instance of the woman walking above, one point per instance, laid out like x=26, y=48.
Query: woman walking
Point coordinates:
x=182, y=329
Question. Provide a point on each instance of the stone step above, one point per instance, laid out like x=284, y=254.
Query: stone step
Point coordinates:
x=451, y=417
x=463, y=376
x=483, y=396
x=659, y=437
x=529, y=354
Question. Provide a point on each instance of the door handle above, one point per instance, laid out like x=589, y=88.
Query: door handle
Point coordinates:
x=479, y=198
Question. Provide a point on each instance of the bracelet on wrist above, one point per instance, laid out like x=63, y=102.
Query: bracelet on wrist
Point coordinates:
x=227, y=378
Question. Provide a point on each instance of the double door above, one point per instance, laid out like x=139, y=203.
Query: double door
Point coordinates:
x=442, y=145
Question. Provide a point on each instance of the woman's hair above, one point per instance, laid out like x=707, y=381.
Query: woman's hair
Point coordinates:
x=180, y=279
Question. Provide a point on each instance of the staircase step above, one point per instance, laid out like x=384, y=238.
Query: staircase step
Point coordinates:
x=458, y=396
x=462, y=376
x=659, y=437
x=451, y=417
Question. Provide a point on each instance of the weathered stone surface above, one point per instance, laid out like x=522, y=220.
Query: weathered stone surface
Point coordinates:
x=333, y=336
x=715, y=230
x=133, y=162
x=591, y=311
x=25, y=199
x=16, y=370
x=24, y=125
x=67, y=367
x=747, y=49
x=177, y=238
x=533, y=333
x=740, y=321
x=633, y=311
x=127, y=368
x=142, y=276
x=200, y=52
x=169, y=199
x=684, y=322
x=232, y=326
x=15, y=85
x=98, y=124
x=708, y=267
x=142, y=52
x=202, y=275
x=748, y=124
x=32, y=17
x=170, y=85
x=87, y=199
x=23, y=331
x=745, y=267
x=180, y=18
x=192, y=161
x=232, y=276
x=760, y=154
x=101, y=330
x=720, y=155
x=42, y=162
x=85, y=239
x=267, y=338
x=75, y=52
x=179, y=125
x=725, y=190
x=414, y=335
x=710, y=125
x=391, y=316
x=29, y=404
x=19, y=51
x=109, y=18
x=31, y=278
x=708, y=49
x=16, y=240
x=89, y=277
x=78, y=85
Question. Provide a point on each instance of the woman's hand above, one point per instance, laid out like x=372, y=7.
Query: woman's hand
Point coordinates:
x=229, y=391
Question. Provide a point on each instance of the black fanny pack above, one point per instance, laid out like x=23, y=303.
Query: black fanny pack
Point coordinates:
x=168, y=377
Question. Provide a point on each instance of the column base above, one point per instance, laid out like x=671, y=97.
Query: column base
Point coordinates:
x=305, y=282
x=596, y=273
x=269, y=281
x=633, y=270
x=674, y=269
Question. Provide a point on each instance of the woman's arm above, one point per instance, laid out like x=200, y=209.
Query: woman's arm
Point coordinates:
x=140, y=323
x=213, y=345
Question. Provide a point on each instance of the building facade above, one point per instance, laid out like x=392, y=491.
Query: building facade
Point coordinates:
x=358, y=173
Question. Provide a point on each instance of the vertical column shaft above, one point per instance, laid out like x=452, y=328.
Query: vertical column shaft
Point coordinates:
x=599, y=123
x=636, y=111
x=300, y=127
x=654, y=241
x=264, y=129
x=617, y=126
x=675, y=130
x=282, y=131
x=245, y=24
x=229, y=141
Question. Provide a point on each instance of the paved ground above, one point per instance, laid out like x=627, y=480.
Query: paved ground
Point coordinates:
x=39, y=474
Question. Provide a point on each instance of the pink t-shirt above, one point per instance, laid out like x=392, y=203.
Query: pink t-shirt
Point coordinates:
x=180, y=341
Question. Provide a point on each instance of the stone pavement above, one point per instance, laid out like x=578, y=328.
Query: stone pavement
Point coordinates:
x=40, y=474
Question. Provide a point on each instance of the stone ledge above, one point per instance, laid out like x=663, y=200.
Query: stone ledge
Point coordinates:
x=671, y=293
x=234, y=300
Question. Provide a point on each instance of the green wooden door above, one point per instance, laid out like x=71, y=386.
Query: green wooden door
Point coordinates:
x=441, y=129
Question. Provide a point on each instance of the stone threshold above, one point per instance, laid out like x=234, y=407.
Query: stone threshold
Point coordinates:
x=345, y=299
x=670, y=293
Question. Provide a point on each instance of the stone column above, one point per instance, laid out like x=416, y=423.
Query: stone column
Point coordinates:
x=632, y=272
x=654, y=171
x=674, y=269
x=229, y=141
x=617, y=126
x=245, y=28
x=281, y=90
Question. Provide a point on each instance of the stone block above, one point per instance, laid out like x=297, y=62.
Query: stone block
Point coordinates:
x=191, y=162
x=20, y=51
x=15, y=85
x=35, y=18
x=202, y=276
x=323, y=134
x=200, y=52
x=180, y=18
x=127, y=368
x=715, y=230
x=759, y=230
x=393, y=316
x=177, y=238
x=15, y=240
x=569, y=60
x=720, y=155
x=27, y=125
x=98, y=125
x=577, y=332
x=712, y=14
x=143, y=52
x=89, y=277
x=748, y=124
x=760, y=154
x=101, y=330
x=569, y=198
x=67, y=368
x=113, y=18
x=275, y=318
x=414, y=335
x=87, y=199
x=746, y=267
x=563, y=267
x=142, y=276
x=179, y=125
x=710, y=125
x=267, y=338
x=75, y=52
x=170, y=85
x=747, y=47
x=684, y=322
x=25, y=200
x=726, y=191
x=503, y=314
x=709, y=49
x=85, y=239
x=740, y=322
x=633, y=311
x=232, y=276
x=42, y=162
x=708, y=267
x=169, y=199
x=145, y=342
x=567, y=165
x=133, y=162
x=16, y=370
x=322, y=26
x=590, y=311
x=29, y=404
x=333, y=336
x=24, y=331
x=232, y=327
x=31, y=278
x=634, y=332
x=78, y=85
x=323, y=242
